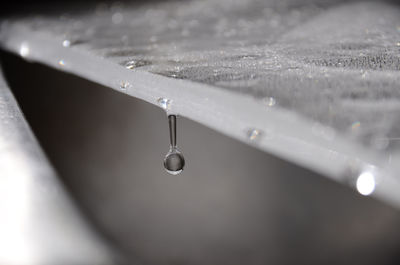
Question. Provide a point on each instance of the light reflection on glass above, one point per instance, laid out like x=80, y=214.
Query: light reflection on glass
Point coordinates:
x=24, y=50
x=366, y=183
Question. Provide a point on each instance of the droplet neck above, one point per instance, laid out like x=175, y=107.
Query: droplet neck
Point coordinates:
x=172, y=130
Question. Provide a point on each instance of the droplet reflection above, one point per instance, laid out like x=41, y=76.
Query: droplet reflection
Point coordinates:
x=366, y=183
x=254, y=134
x=66, y=43
x=269, y=101
x=124, y=85
x=24, y=50
x=164, y=103
x=174, y=161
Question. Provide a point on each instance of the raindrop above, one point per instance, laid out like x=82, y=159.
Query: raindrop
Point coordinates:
x=254, y=134
x=364, y=74
x=164, y=103
x=366, y=183
x=124, y=85
x=24, y=50
x=61, y=62
x=269, y=101
x=132, y=64
x=174, y=162
x=66, y=43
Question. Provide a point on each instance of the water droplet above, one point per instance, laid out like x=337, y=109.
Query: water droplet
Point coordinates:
x=66, y=43
x=366, y=183
x=174, y=162
x=254, y=134
x=269, y=101
x=398, y=44
x=24, y=50
x=132, y=64
x=364, y=74
x=124, y=85
x=61, y=62
x=164, y=103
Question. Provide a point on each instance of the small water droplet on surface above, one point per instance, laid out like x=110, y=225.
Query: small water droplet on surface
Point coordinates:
x=269, y=101
x=254, y=134
x=124, y=85
x=66, y=43
x=174, y=162
x=24, y=50
x=366, y=183
x=164, y=103
x=398, y=44
x=364, y=74
x=61, y=62
x=132, y=64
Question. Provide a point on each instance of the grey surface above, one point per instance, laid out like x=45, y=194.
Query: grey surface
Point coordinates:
x=331, y=75
x=39, y=223
x=233, y=204
x=316, y=58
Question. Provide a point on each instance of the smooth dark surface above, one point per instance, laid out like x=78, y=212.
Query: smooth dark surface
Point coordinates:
x=232, y=204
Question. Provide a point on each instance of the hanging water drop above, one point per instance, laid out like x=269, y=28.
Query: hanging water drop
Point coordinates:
x=174, y=161
x=164, y=103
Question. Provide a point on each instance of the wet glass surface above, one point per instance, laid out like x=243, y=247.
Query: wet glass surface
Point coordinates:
x=335, y=63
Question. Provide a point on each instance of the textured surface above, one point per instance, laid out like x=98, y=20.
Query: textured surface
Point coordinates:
x=315, y=58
